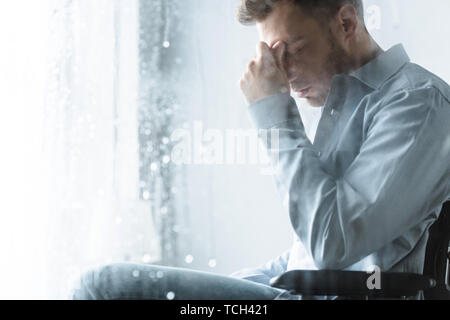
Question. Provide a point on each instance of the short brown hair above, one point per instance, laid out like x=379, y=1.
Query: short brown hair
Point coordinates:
x=252, y=11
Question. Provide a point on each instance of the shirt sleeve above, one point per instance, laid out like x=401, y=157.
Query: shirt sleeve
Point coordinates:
x=265, y=272
x=389, y=187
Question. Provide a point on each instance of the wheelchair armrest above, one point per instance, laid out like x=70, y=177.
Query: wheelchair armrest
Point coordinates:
x=351, y=283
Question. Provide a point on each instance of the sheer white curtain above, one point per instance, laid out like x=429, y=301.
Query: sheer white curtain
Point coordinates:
x=71, y=193
x=23, y=205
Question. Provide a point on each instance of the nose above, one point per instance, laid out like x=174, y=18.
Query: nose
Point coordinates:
x=291, y=78
x=290, y=72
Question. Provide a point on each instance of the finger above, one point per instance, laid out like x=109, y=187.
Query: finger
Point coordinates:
x=263, y=51
x=241, y=83
x=251, y=65
x=259, y=49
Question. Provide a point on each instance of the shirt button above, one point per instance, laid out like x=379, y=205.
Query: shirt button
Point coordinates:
x=334, y=113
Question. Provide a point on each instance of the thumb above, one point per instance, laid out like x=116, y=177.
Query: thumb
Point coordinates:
x=279, y=51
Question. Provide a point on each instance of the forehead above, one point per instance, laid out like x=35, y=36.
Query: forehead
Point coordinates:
x=288, y=23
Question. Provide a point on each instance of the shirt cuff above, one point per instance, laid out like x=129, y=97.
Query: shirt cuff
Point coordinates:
x=272, y=110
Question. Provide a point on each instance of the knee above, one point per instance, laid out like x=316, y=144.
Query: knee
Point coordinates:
x=94, y=283
x=82, y=288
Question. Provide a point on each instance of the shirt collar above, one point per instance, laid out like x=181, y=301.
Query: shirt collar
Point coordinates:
x=380, y=69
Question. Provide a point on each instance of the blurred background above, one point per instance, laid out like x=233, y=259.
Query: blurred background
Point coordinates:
x=95, y=97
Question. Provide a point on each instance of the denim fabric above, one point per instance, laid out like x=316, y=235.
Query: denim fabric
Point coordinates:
x=128, y=281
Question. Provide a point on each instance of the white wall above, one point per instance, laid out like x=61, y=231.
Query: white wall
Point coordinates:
x=422, y=27
x=235, y=213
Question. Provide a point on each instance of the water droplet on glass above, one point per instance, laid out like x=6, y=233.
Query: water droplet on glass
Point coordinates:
x=166, y=44
x=146, y=258
x=189, y=258
x=135, y=273
x=170, y=295
x=212, y=263
x=154, y=166
x=166, y=159
x=159, y=274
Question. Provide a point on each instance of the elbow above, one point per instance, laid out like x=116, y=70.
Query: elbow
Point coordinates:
x=331, y=243
x=329, y=259
x=337, y=250
x=330, y=255
x=327, y=262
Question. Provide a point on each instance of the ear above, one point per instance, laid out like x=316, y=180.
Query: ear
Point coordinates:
x=348, y=21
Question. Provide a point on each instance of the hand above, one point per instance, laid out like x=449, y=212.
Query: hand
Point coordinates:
x=265, y=75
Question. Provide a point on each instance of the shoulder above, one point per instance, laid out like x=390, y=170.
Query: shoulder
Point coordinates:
x=412, y=100
x=411, y=86
x=415, y=80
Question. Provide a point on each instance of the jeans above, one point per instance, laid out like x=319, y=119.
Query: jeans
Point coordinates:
x=128, y=281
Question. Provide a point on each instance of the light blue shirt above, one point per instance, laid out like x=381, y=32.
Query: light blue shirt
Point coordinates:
x=368, y=188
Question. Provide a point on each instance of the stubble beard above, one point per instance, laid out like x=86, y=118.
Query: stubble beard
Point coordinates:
x=337, y=62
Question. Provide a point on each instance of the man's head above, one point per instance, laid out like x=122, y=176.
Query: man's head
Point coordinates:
x=323, y=38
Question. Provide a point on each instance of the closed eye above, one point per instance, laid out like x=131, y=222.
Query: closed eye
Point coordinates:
x=294, y=51
x=295, y=48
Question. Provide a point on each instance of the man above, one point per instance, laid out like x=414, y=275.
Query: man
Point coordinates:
x=365, y=192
